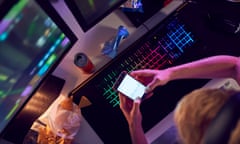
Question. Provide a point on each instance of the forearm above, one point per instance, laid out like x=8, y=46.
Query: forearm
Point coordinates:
x=137, y=134
x=212, y=67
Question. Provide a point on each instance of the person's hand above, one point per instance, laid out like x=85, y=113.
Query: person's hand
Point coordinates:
x=132, y=113
x=131, y=110
x=152, y=78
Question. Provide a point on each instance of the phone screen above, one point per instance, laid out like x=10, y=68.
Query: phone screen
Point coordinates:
x=131, y=87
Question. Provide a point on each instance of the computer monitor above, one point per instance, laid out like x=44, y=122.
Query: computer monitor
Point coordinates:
x=33, y=40
x=89, y=12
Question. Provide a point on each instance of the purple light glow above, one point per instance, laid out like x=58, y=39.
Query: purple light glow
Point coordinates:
x=27, y=91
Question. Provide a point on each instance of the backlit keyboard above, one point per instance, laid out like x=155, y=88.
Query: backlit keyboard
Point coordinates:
x=159, y=51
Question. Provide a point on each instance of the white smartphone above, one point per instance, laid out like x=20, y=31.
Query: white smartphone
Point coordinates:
x=129, y=86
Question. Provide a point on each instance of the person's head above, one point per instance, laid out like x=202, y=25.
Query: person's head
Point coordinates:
x=196, y=110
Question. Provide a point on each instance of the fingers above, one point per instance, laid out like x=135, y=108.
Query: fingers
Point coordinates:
x=136, y=106
x=147, y=95
x=122, y=99
x=152, y=85
x=125, y=102
x=145, y=72
x=146, y=76
x=148, y=89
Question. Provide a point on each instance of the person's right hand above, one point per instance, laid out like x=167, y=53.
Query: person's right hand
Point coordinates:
x=152, y=78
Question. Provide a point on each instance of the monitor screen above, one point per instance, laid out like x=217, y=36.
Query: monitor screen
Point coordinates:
x=33, y=39
x=89, y=12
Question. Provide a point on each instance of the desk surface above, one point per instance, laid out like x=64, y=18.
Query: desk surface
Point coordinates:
x=90, y=43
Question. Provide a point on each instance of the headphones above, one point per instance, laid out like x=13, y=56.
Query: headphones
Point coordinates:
x=220, y=128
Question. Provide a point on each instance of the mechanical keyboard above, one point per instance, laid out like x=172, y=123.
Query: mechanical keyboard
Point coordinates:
x=160, y=50
x=172, y=42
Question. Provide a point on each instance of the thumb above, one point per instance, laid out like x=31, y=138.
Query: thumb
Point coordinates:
x=151, y=86
x=136, y=105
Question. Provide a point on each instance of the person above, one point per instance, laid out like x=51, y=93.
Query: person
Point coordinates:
x=204, y=105
x=221, y=66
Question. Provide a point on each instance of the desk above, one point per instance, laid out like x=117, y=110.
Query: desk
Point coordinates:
x=89, y=43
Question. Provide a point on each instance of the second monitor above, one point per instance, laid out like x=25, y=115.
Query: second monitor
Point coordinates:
x=89, y=12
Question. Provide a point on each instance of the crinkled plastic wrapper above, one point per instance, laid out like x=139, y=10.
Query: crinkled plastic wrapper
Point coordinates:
x=58, y=125
x=65, y=121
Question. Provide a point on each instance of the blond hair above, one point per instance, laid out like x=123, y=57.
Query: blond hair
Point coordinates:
x=196, y=110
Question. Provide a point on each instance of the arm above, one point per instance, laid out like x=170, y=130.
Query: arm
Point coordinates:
x=137, y=133
x=132, y=113
x=211, y=67
x=221, y=66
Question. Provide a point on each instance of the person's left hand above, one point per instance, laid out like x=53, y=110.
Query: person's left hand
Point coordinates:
x=131, y=110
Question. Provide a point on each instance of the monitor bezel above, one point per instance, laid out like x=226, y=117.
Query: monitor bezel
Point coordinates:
x=80, y=18
x=46, y=5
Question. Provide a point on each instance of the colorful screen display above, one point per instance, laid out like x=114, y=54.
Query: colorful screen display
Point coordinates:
x=31, y=43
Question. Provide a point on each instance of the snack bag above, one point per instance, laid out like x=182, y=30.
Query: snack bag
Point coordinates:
x=66, y=121
x=63, y=123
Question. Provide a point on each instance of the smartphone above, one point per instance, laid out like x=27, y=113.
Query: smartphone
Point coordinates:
x=129, y=86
